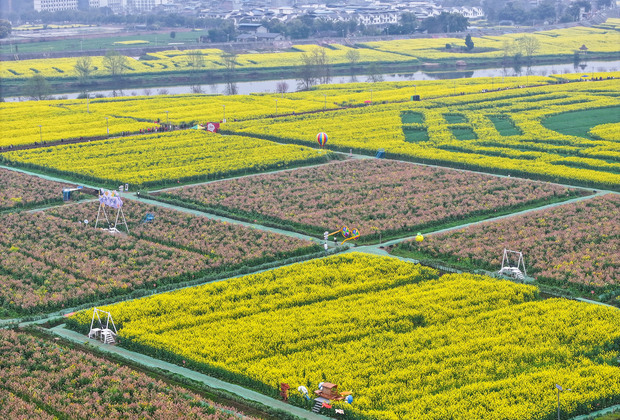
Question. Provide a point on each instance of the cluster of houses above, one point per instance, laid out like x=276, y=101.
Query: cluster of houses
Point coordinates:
x=246, y=14
x=366, y=13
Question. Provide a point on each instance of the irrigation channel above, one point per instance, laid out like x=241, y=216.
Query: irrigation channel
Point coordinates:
x=270, y=86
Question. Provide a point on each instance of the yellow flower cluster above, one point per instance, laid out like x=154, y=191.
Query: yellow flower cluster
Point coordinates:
x=59, y=120
x=607, y=132
x=406, y=343
x=494, y=130
x=201, y=108
x=65, y=119
x=561, y=41
x=156, y=158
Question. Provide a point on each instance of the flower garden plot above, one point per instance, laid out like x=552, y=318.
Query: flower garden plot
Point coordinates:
x=225, y=244
x=163, y=158
x=393, y=198
x=48, y=262
x=44, y=380
x=18, y=190
x=406, y=343
x=574, y=244
x=538, y=152
x=60, y=120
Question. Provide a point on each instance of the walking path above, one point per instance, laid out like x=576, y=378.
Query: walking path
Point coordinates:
x=196, y=376
x=48, y=177
x=376, y=249
x=133, y=196
x=596, y=414
x=505, y=216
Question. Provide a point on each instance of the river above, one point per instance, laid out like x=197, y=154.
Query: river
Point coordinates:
x=270, y=86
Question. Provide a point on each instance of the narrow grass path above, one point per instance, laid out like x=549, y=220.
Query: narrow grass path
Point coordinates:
x=133, y=196
x=153, y=363
x=377, y=249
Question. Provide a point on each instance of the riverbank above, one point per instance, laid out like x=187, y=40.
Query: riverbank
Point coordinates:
x=257, y=80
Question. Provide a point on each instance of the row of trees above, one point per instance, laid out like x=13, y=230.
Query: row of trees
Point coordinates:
x=5, y=28
x=220, y=30
x=520, y=11
x=314, y=67
x=37, y=87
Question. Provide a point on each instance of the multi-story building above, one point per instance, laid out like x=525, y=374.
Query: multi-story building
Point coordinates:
x=55, y=5
x=144, y=5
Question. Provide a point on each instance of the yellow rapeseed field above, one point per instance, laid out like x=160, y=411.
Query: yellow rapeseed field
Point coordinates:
x=405, y=342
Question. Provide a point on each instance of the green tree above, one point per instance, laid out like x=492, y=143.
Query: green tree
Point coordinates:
x=115, y=63
x=230, y=66
x=445, y=22
x=84, y=68
x=374, y=73
x=508, y=48
x=544, y=11
x=530, y=46
x=298, y=29
x=469, y=43
x=314, y=68
x=306, y=74
x=408, y=21
x=195, y=60
x=5, y=28
x=321, y=61
x=37, y=88
x=513, y=13
x=573, y=12
x=353, y=57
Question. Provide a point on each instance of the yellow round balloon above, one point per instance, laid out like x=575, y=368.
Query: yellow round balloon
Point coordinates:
x=419, y=238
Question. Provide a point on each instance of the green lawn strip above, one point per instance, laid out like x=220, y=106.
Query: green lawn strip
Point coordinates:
x=412, y=118
x=161, y=40
x=366, y=238
x=463, y=133
x=413, y=127
x=455, y=118
x=504, y=125
x=579, y=123
x=415, y=134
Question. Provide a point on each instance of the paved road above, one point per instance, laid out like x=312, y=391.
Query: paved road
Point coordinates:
x=205, y=379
